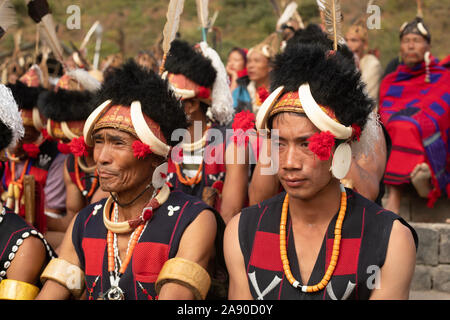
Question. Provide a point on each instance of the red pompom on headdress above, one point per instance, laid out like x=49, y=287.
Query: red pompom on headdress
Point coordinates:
x=78, y=147
x=46, y=135
x=31, y=150
x=141, y=150
x=356, y=131
x=243, y=121
x=321, y=144
x=64, y=148
x=203, y=93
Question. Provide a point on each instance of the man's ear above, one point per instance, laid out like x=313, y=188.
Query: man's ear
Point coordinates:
x=192, y=107
x=195, y=105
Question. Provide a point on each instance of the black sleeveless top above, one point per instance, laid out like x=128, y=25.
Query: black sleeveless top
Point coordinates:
x=158, y=243
x=365, y=236
x=13, y=231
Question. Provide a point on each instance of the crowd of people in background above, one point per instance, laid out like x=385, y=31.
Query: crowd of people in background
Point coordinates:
x=97, y=178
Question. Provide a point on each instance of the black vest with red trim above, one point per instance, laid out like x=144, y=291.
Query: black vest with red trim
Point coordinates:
x=13, y=232
x=158, y=243
x=213, y=170
x=86, y=179
x=365, y=237
x=37, y=167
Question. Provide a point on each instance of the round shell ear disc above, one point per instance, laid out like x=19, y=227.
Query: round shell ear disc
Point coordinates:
x=160, y=175
x=342, y=160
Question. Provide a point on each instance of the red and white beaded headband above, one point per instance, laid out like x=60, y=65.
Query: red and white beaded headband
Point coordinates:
x=143, y=131
x=329, y=127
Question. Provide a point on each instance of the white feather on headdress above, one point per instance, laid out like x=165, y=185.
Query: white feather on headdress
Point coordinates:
x=370, y=137
x=9, y=114
x=85, y=79
x=289, y=11
x=221, y=108
x=333, y=20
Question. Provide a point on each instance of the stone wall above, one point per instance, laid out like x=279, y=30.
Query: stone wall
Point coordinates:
x=414, y=208
x=433, y=257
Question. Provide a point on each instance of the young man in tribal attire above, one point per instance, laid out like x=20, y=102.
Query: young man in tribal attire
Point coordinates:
x=317, y=239
x=66, y=108
x=23, y=250
x=198, y=78
x=366, y=172
x=204, y=167
x=35, y=155
x=415, y=108
x=145, y=241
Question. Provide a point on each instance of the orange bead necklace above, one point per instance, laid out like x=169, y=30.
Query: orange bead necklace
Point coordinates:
x=336, y=245
x=189, y=181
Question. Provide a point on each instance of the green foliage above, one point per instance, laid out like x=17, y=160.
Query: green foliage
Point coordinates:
x=242, y=23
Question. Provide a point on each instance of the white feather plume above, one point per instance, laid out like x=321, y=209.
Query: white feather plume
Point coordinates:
x=370, y=137
x=202, y=12
x=333, y=20
x=288, y=12
x=10, y=116
x=173, y=22
x=84, y=78
x=221, y=109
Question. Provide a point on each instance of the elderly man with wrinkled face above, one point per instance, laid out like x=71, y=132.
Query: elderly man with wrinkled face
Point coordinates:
x=144, y=241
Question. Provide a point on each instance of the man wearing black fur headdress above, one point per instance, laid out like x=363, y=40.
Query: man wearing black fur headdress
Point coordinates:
x=66, y=109
x=24, y=251
x=35, y=155
x=206, y=165
x=198, y=77
x=366, y=172
x=144, y=241
x=317, y=239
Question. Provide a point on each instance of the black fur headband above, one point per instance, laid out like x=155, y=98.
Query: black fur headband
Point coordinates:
x=184, y=59
x=131, y=82
x=26, y=97
x=5, y=136
x=65, y=105
x=313, y=34
x=333, y=79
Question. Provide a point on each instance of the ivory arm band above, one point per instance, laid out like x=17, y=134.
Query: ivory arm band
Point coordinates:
x=185, y=273
x=17, y=290
x=66, y=274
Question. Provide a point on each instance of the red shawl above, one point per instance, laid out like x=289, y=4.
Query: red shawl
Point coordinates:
x=416, y=114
